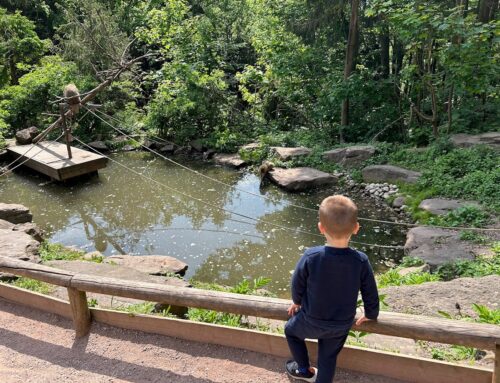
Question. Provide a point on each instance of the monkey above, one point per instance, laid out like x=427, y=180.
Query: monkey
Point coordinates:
x=72, y=97
x=264, y=169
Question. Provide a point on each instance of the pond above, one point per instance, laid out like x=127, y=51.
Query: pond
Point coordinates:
x=120, y=212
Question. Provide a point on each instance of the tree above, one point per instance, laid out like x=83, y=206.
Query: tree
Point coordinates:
x=20, y=47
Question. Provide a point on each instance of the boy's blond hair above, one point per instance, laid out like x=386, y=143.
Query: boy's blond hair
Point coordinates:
x=338, y=215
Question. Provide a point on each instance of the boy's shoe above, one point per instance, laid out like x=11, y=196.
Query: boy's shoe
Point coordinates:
x=292, y=369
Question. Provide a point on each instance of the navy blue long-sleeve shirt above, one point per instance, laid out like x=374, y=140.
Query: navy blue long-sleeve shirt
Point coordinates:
x=326, y=283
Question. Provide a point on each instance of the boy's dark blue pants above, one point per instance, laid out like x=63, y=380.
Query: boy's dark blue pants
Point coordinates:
x=330, y=342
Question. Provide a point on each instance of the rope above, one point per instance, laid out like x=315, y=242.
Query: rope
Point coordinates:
x=407, y=224
x=256, y=220
x=27, y=159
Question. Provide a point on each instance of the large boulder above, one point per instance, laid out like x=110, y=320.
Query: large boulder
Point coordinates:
x=100, y=146
x=18, y=245
x=462, y=140
x=286, y=154
x=15, y=213
x=150, y=264
x=438, y=246
x=441, y=206
x=197, y=145
x=350, y=156
x=6, y=225
x=25, y=136
x=31, y=229
x=300, y=179
x=230, y=160
x=389, y=173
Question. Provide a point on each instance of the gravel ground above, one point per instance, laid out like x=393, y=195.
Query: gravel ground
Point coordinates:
x=40, y=347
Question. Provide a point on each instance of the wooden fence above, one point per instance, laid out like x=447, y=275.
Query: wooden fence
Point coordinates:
x=412, y=369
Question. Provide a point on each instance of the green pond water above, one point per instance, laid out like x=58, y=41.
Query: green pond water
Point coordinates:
x=119, y=212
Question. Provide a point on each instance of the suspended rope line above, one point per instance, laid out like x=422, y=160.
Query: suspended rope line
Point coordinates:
x=29, y=158
x=407, y=224
x=256, y=220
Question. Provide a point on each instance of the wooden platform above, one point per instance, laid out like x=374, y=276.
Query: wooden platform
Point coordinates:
x=51, y=158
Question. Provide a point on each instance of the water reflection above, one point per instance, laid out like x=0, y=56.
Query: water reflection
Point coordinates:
x=120, y=212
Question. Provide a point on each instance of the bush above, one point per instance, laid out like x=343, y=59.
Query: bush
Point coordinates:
x=393, y=278
x=479, y=267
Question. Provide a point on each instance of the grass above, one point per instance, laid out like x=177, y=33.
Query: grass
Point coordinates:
x=33, y=285
x=479, y=267
x=393, y=278
x=57, y=252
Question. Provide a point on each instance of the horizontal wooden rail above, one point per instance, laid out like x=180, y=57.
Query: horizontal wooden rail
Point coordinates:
x=440, y=330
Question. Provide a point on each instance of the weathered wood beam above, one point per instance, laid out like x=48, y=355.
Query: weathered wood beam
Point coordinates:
x=80, y=310
x=441, y=330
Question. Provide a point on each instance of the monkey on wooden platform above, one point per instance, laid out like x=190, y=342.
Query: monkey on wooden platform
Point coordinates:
x=72, y=97
x=264, y=169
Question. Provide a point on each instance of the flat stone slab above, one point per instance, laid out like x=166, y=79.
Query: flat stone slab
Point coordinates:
x=115, y=271
x=441, y=206
x=230, y=160
x=15, y=213
x=300, y=179
x=6, y=225
x=350, y=156
x=251, y=146
x=150, y=264
x=428, y=298
x=18, y=245
x=389, y=173
x=439, y=246
x=491, y=139
x=286, y=154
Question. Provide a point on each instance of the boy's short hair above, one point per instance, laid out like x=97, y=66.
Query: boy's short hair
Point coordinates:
x=338, y=215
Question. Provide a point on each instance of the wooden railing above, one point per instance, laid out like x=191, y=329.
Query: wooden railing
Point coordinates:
x=482, y=336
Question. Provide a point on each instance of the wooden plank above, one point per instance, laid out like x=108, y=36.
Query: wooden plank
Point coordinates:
x=51, y=159
x=482, y=336
x=80, y=310
x=35, y=300
x=391, y=365
x=496, y=371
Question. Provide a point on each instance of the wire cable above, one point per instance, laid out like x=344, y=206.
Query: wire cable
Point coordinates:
x=407, y=224
x=256, y=220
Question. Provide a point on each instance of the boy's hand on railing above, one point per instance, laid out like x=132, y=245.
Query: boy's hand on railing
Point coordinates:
x=293, y=309
x=362, y=320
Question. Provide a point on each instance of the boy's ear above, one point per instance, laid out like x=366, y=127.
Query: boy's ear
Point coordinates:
x=321, y=228
x=356, y=228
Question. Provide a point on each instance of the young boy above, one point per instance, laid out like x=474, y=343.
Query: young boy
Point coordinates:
x=325, y=286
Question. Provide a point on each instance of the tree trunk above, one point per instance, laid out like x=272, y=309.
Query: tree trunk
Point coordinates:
x=14, y=78
x=384, y=51
x=397, y=57
x=350, y=58
x=486, y=11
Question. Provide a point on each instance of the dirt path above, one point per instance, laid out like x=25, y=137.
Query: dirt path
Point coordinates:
x=40, y=347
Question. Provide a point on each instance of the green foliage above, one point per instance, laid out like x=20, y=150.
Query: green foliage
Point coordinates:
x=464, y=216
x=33, y=285
x=393, y=278
x=486, y=315
x=454, y=353
x=479, y=267
x=411, y=261
x=55, y=251
x=473, y=236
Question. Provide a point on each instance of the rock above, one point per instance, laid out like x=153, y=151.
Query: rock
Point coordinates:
x=231, y=160
x=25, y=136
x=6, y=225
x=251, y=146
x=414, y=269
x=100, y=146
x=300, y=179
x=119, y=272
x=491, y=139
x=350, y=156
x=15, y=213
x=168, y=148
x=31, y=229
x=440, y=206
x=286, y=154
x=120, y=139
x=197, y=145
x=208, y=155
x=128, y=148
x=438, y=246
x=150, y=264
x=399, y=201
x=18, y=245
x=431, y=297
x=182, y=150
x=389, y=173
x=149, y=144
x=93, y=256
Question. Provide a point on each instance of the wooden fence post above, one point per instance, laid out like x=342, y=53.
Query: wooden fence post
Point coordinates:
x=496, y=368
x=80, y=310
